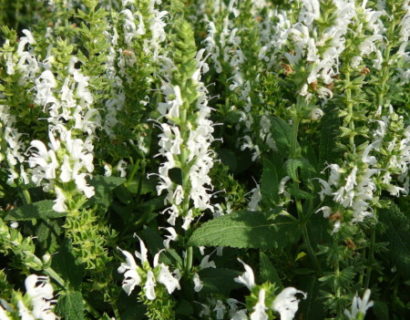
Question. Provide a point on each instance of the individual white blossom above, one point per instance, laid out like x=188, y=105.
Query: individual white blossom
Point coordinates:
x=259, y=310
x=247, y=278
x=198, y=284
x=3, y=314
x=220, y=310
x=286, y=303
x=39, y=300
x=359, y=306
x=206, y=263
x=129, y=269
x=172, y=236
x=256, y=197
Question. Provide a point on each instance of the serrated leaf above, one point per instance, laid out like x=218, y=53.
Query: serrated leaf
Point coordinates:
x=70, y=306
x=246, y=229
x=36, y=210
x=103, y=189
x=281, y=132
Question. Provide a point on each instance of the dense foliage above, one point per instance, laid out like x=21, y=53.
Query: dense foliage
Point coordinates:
x=204, y=159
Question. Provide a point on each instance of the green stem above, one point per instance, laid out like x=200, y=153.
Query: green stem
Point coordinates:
x=26, y=196
x=189, y=259
x=294, y=137
x=371, y=257
x=54, y=275
x=306, y=238
x=349, y=103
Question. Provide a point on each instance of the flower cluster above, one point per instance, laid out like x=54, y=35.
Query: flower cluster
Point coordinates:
x=145, y=275
x=285, y=303
x=37, y=303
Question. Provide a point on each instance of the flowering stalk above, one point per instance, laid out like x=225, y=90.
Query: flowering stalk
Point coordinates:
x=186, y=138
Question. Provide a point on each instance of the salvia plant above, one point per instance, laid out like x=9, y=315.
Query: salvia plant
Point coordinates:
x=204, y=159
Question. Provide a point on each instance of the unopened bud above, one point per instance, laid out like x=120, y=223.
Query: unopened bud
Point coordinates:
x=316, y=114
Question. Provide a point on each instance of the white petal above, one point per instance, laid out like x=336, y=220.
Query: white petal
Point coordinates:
x=259, y=312
x=149, y=287
x=286, y=303
x=167, y=279
x=247, y=278
x=198, y=284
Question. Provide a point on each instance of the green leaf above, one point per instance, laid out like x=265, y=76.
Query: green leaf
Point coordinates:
x=292, y=166
x=282, y=134
x=398, y=235
x=36, y=210
x=103, y=188
x=295, y=191
x=219, y=280
x=267, y=270
x=329, y=131
x=64, y=263
x=228, y=158
x=381, y=310
x=70, y=306
x=269, y=182
x=246, y=229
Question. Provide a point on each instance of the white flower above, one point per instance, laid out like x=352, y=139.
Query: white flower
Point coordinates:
x=159, y=272
x=198, y=284
x=3, y=314
x=131, y=276
x=247, y=278
x=149, y=287
x=59, y=202
x=40, y=292
x=205, y=263
x=316, y=114
x=24, y=313
x=259, y=310
x=286, y=303
x=359, y=306
x=240, y=315
x=256, y=197
x=167, y=279
x=171, y=237
x=220, y=310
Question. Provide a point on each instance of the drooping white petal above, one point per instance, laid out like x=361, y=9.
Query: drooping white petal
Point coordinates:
x=286, y=303
x=247, y=278
x=167, y=279
x=129, y=269
x=198, y=284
